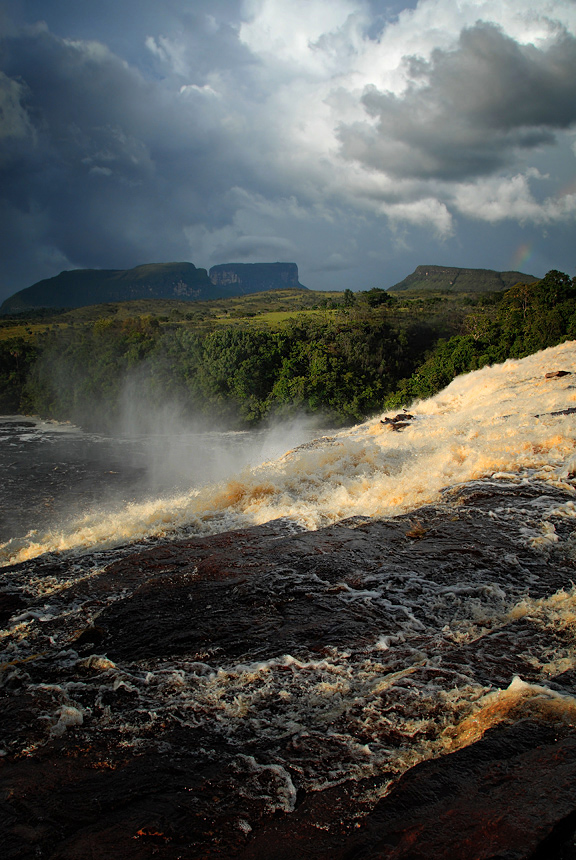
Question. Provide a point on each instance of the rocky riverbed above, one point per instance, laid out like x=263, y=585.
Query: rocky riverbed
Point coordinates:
x=380, y=688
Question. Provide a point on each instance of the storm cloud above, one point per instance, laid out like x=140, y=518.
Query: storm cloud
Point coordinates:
x=466, y=112
x=104, y=150
x=356, y=138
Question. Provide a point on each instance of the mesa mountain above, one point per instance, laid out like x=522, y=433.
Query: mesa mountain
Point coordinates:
x=81, y=287
x=458, y=280
x=183, y=281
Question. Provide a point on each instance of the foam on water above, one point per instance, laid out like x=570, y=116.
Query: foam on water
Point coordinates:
x=496, y=421
x=347, y=713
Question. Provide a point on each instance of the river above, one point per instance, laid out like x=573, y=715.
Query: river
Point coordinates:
x=271, y=661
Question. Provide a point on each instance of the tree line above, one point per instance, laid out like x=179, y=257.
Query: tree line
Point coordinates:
x=371, y=352
x=514, y=324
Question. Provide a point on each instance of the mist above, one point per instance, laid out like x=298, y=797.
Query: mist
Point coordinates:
x=180, y=449
x=508, y=420
x=125, y=469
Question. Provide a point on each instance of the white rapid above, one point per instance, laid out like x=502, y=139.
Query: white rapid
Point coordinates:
x=501, y=420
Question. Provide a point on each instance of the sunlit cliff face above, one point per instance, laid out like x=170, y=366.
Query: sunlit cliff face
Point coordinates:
x=505, y=420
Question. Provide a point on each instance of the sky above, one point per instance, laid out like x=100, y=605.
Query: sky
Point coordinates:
x=356, y=138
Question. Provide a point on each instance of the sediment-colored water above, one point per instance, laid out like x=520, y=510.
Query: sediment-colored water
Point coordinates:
x=313, y=627
x=508, y=419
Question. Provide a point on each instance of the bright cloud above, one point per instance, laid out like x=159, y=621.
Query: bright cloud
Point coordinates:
x=307, y=35
x=503, y=199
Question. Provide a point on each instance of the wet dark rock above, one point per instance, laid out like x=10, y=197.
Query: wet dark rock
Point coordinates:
x=398, y=422
x=10, y=426
x=570, y=411
x=89, y=639
x=10, y=604
x=480, y=803
x=275, y=693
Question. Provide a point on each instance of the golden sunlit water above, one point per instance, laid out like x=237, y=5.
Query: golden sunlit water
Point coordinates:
x=496, y=421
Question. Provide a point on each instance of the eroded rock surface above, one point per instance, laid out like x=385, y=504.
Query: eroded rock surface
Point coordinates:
x=394, y=688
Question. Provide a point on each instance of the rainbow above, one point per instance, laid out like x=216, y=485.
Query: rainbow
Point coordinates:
x=521, y=256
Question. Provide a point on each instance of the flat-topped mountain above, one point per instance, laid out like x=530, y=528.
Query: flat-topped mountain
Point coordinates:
x=81, y=287
x=256, y=277
x=461, y=280
x=184, y=281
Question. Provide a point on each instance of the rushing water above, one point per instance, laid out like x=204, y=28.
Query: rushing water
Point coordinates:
x=505, y=419
x=413, y=588
x=63, y=488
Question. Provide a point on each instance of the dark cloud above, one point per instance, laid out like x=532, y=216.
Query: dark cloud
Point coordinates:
x=467, y=112
x=334, y=263
x=124, y=26
x=254, y=248
x=134, y=131
x=99, y=163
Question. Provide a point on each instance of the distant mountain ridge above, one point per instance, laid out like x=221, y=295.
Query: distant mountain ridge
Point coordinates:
x=81, y=287
x=461, y=280
x=184, y=281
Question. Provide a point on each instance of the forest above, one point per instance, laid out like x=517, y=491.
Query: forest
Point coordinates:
x=342, y=356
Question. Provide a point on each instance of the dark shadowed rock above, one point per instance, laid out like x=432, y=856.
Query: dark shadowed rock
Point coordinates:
x=510, y=795
x=10, y=604
x=342, y=694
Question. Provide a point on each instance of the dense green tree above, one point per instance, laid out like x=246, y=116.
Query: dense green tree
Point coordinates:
x=16, y=359
x=347, y=363
x=376, y=297
x=528, y=318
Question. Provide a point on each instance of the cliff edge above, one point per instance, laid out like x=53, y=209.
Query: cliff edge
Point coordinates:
x=256, y=277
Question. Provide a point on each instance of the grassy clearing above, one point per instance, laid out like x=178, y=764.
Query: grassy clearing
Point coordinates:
x=269, y=309
x=28, y=331
x=274, y=319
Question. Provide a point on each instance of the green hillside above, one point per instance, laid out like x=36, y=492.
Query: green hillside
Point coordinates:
x=456, y=280
x=175, y=281
x=266, y=308
x=73, y=289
